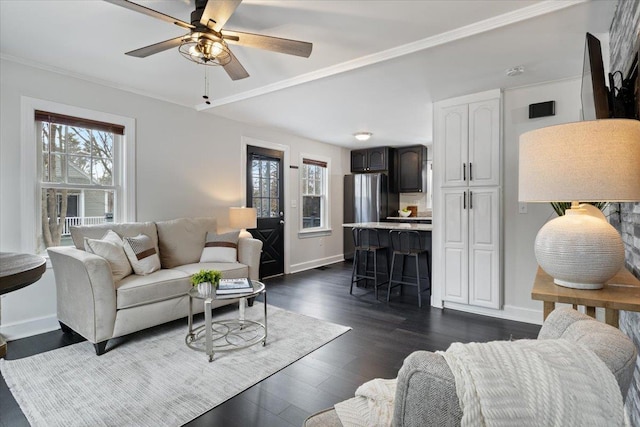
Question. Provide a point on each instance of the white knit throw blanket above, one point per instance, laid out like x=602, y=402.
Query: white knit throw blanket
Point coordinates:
x=533, y=383
x=372, y=405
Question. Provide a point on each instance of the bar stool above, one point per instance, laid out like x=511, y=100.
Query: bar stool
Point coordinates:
x=407, y=244
x=367, y=241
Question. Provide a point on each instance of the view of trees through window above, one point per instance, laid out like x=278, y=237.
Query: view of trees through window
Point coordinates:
x=77, y=176
x=266, y=195
x=313, y=193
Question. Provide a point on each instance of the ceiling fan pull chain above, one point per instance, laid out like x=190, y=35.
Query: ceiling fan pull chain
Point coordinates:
x=206, y=86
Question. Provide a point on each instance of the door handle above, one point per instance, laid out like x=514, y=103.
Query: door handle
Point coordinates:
x=470, y=171
x=464, y=172
x=464, y=201
x=470, y=199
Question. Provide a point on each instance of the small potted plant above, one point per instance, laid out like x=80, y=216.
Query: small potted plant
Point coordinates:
x=206, y=281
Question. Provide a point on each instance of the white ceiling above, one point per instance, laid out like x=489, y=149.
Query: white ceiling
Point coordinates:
x=376, y=65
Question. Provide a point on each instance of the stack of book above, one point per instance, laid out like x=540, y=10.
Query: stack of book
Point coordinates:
x=234, y=286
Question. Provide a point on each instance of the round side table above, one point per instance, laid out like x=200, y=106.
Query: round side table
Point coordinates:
x=16, y=272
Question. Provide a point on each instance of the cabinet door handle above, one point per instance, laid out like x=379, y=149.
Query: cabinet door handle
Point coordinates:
x=464, y=171
x=464, y=201
x=470, y=171
x=470, y=199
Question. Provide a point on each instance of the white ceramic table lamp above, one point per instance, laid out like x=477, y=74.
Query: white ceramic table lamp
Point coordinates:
x=243, y=218
x=595, y=161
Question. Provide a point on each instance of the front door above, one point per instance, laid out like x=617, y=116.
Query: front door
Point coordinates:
x=265, y=193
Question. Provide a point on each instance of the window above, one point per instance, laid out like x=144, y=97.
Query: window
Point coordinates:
x=265, y=176
x=314, y=184
x=81, y=167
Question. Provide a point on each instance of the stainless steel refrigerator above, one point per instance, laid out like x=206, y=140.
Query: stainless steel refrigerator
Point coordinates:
x=368, y=197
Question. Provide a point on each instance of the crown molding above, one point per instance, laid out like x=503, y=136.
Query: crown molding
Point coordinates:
x=529, y=12
x=90, y=79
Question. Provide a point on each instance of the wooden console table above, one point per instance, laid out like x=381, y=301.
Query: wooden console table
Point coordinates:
x=622, y=292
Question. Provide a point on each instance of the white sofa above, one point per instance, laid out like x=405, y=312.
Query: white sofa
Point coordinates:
x=92, y=304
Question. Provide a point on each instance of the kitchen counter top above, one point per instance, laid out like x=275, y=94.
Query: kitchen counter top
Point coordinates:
x=411, y=218
x=391, y=226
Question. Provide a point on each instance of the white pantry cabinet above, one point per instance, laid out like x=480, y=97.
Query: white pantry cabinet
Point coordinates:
x=467, y=205
x=470, y=134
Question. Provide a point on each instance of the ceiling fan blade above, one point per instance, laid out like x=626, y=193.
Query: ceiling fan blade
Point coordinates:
x=275, y=44
x=217, y=13
x=234, y=69
x=143, y=52
x=150, y=12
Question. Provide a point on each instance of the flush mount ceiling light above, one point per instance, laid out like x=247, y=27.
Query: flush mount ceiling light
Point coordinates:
x=515, y=71
x=362, y=136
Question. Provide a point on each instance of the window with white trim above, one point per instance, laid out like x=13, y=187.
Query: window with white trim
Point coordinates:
x=313, y=185
x=79, y=170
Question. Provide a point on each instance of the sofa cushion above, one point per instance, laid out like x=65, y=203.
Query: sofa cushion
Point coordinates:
x=78, y=233
x=142, y=254
x=181, y=240
x=157, y=286
x=229, y=270
x=220, y=247
x=110, y=248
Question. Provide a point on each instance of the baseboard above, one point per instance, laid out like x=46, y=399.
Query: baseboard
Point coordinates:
x=517, y=314
x=296, y=268
x=28, y=328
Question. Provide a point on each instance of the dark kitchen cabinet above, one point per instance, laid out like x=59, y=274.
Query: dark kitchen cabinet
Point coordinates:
x=412, y=169
x=370, y=160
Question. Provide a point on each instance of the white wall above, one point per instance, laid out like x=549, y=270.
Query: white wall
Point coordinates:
x=188, y=164
x=520, y=229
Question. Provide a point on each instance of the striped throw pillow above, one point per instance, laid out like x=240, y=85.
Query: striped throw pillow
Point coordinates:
x=220, y=247
x=142, y=254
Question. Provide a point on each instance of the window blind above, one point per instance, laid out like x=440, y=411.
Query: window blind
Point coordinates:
x=314, y=162
x=62, y=119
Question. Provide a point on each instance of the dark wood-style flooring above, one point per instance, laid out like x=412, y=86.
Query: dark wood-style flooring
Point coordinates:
x=382, y=336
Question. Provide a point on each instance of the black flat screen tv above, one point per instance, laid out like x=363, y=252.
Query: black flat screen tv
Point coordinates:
x=594, y=92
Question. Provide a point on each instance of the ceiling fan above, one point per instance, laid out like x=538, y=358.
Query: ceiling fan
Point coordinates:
x=206, y=42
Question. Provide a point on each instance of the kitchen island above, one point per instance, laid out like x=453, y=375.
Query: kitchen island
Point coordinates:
x=383, y=229
x=391, y=226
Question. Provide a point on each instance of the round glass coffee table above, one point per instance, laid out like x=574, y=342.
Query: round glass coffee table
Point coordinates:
x=227, y=334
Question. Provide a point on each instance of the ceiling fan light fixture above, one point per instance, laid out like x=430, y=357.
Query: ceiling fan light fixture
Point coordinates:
x=363, y=136
x=195, y=51
x=205, y=50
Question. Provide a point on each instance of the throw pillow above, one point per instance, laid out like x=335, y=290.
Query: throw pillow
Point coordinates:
x=220, y=247
x=109, y=236
x=142, y=254
x=110, y=248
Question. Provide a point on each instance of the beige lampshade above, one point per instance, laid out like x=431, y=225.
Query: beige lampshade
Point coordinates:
x=590, y=161
x=241, y=218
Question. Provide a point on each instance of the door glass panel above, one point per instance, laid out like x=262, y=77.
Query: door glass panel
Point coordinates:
x=265, y=182
x=256, y=186
x=257, y=203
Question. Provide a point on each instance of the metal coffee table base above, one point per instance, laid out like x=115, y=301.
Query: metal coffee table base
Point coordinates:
x=225, y=335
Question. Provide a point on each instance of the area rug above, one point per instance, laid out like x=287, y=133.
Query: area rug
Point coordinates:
x=154, y=379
